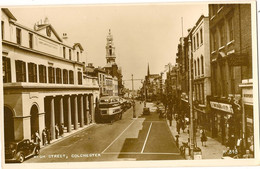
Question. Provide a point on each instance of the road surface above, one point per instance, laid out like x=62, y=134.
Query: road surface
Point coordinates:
x=143, y=138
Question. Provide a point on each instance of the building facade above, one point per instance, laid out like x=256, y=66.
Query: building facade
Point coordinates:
x=231, y=64
x=201, y=71
x=43, y=80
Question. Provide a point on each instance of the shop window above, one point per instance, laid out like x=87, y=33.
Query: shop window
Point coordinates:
x=20, y=67
x=6, y=70
x=18, y=36
x=79, y=78
x=71, y=77
x=42, y=74
x=65, y=76
x=32, y=71
x=51, y=74
x=58, y=75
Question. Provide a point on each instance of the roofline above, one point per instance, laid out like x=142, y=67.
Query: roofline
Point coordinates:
x=9, y=13
x=78, y=44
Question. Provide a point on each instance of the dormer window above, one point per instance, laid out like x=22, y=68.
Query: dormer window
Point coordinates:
x=77, y=56
x=30, y=40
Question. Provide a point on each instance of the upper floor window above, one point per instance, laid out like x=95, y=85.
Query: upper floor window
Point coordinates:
x=202, y=65
x=6, y=70
x=2, y=28
x=30, y=40
x=32, y=70
x=197, y=36
x=42, y=74
x=194, y=43
x=195, y=68
x=71, y=77
x=221, y=34
x=79, y=78
x=20, y=67
x=201, y=36
x=69, y=54
x=214, y=40
x=18, y=36
x=198, y=62
x=77, y=56
x=230, y=29
x=65, y=76
x=51, y=74
x=58, y=75
x=64, y=52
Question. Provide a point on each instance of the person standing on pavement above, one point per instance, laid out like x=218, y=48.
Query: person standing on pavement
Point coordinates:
x=232, y=142
x=203, y=138
x=48, y=134
x=56, y=131
x=37, y=138
x=169, y=116
x=44, y=137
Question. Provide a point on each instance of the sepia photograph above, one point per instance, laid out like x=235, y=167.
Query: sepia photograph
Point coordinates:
x=137, y=84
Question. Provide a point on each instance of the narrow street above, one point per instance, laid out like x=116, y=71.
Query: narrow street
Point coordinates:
x=144, y=138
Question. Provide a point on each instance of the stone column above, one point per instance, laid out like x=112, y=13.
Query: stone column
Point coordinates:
x=52, y=127
x=87, y=110
x=61, y=110
x=81, y=111
x=91, y=108
x=69, y=115
x=75, y=113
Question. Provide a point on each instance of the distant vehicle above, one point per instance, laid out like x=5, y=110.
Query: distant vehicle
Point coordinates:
x=110, y=108
x=18, y=151
x=146, y=111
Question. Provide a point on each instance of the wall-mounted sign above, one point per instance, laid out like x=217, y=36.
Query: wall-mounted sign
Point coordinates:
x=222, y=106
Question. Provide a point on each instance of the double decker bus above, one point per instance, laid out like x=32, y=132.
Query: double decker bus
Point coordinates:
x=110, y=108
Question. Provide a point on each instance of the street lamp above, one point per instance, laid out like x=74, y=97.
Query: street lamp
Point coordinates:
x=191, y=102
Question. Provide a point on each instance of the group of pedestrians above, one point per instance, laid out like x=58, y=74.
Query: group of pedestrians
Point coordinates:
x=46, y=134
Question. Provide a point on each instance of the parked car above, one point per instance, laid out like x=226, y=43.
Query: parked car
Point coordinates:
x=18, y=151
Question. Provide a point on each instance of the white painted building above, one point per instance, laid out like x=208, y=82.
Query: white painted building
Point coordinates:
x=201, y=67
x=44, y=84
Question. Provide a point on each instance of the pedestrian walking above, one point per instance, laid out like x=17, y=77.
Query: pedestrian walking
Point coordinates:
x=61, y=129
x=231, y=142
x=178, y=127
x=56, y=131
x=169, y=117
x=203, y=138
x=37, y=138
x=44, y=137
x=48, y=134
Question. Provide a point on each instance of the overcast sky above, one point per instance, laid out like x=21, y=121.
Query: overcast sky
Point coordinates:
x=142, y=33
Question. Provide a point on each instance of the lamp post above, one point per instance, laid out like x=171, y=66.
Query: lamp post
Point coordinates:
x=191, y=102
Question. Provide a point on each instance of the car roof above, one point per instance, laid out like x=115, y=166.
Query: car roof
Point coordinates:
x=109, y=97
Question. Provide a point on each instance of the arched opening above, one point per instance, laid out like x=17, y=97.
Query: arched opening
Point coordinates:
x=34, y=119
x=8, y=125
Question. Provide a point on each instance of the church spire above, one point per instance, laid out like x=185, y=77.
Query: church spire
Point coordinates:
x=110, y=49
x=148, y=70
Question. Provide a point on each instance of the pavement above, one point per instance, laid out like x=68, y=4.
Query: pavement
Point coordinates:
x=213, y=149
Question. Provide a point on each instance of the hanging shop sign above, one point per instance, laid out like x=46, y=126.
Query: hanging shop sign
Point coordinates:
x=222, y=106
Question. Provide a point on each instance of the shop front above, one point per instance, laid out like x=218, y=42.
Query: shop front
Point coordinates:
x=248, y=115
x=222, y=120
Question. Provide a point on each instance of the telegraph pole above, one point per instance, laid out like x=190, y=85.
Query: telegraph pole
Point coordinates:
x=191, y=102
x=134, y=114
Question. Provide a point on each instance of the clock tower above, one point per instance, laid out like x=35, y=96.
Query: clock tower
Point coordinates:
x=110, y=49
